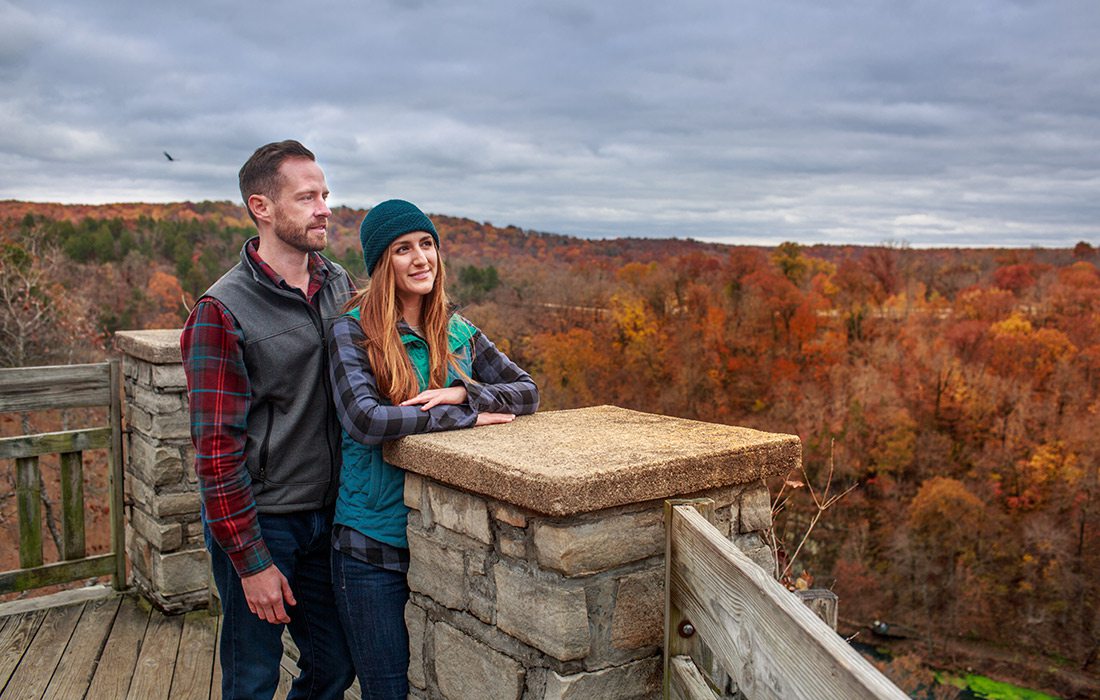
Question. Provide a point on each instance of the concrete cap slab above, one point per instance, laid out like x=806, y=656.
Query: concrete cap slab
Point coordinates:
x=161, y=347
x=581, y=460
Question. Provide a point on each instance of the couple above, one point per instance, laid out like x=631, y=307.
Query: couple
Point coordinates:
x=295, y=380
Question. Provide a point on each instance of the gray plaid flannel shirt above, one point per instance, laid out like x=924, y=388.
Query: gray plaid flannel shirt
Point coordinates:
x=498, y=386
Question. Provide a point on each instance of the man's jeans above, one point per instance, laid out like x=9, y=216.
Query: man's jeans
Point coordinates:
x=371, y=601
x=251, y=649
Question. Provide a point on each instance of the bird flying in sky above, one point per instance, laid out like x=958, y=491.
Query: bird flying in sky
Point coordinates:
x=168, y=156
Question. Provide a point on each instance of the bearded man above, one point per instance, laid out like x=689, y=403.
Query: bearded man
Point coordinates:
x=267, y=441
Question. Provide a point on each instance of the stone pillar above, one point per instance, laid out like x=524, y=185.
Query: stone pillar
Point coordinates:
x=537, y=547
x=164, y=537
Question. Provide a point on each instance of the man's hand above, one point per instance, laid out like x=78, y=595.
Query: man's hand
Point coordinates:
x=434, y=397
x=494, y=418
x=265, y=592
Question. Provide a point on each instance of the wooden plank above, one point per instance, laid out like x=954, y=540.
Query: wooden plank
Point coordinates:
x=29, y=492
x=17, y=634
x=72, y=506
x=120, y=654
x=686, y=682
x=216, y=678
x=74, y=672
x=772, y=645
x=288, y=671
x=114, y=477
x=674, y=643
x=153, y=670
x=195, y=659
x=61, y=572
x=32, y=676
x=61, y=386
x=53, y=443
x=53, y=600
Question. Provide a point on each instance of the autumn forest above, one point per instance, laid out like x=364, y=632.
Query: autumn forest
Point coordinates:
x=958, y=391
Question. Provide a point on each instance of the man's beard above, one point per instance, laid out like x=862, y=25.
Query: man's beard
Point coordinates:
x=297, y=236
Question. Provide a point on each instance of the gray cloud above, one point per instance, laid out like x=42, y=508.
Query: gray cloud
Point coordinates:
x=935, y=122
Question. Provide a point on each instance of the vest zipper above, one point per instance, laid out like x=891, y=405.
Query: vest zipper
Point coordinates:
x=319, y=326
x=262, y=476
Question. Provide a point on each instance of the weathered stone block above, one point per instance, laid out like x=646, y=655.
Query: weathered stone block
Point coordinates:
x=641, y=679
x=187, y=456
x=169, y=377
x=756, y=510
x=181, y=572
x=595, y=545
x=160, y=347
x=169, y=426
x=512, y=544
x=155, y=402
x=436, y=570
x=153, y=462
x=724, y=519
x=141, y=553
x=638, y=617
x=459, y=511
x=480, y=594
x=509, y=514
x=185, y=503
x=466, y=668
x=414, y=486
x=756, y=549
x=548, y=615
x=162, y=536
x=416, y=620
x=139, y=370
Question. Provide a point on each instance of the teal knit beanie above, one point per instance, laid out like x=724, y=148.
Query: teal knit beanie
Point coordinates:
x=387, y=222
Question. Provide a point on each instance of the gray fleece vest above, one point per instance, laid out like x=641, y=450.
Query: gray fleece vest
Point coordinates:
x=293, y=444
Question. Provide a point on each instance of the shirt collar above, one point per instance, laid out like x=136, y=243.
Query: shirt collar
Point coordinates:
x=318, y=271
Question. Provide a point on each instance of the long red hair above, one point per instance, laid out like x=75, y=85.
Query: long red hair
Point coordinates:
x=379, y=311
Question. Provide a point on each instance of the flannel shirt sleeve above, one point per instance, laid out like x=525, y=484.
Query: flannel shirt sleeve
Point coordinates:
x=362, y=410
x=219, y=395
x=499, y=385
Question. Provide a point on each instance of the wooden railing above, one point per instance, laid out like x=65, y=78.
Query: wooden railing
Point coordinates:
x=724, y=615
x=68, y=386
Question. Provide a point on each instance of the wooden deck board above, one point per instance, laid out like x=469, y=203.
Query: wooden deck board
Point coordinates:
x=153, y=671
x=113, y=646
x=33, y=674
x=14, y=639
x=195, y=662
x=116, y=664
x=78, y=662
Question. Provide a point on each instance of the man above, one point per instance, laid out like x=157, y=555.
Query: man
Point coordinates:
x=267, y=442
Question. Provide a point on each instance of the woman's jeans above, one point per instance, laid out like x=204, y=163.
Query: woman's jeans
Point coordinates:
x=371, y=603
x=300, y=545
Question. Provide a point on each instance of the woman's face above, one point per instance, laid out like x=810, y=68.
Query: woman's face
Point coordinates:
x=414, y=259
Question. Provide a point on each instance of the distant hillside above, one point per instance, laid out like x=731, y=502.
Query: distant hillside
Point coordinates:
x=463, y=237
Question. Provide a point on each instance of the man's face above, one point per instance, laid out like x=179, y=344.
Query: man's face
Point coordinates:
x=300, y=213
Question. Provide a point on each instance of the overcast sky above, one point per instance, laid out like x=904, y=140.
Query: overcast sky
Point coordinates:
x=934, y=123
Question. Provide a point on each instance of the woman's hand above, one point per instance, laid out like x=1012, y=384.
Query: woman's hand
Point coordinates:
x=434, y=397
x=494, y=418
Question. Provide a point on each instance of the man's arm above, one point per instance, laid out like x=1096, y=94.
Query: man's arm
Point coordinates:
x=219, y=396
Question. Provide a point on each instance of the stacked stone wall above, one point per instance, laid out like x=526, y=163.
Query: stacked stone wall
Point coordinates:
x=507, y=603
x=169, y=563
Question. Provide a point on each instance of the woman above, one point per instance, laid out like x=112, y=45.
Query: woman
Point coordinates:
x=402, y=363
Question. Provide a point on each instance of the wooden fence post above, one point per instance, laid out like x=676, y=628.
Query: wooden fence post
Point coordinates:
x=675, y=643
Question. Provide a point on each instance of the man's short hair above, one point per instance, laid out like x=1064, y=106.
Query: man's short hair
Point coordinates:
x=260, y=173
